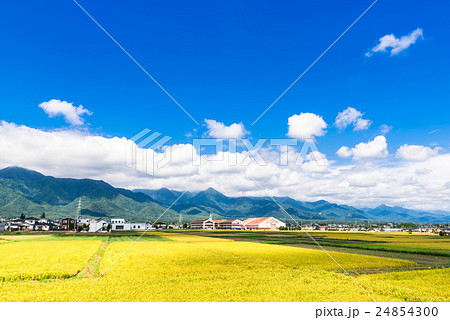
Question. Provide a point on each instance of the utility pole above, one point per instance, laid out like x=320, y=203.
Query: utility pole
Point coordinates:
x=78, y=215
x=180, y=223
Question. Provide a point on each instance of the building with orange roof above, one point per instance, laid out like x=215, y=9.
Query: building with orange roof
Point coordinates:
x=264, y=223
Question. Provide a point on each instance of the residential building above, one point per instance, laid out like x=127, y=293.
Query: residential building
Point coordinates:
x=159, y=225
x=67, y=223
x=98, y=225
x=20, y=225
x=31, y=220
x=43, y=226
x=84, y=221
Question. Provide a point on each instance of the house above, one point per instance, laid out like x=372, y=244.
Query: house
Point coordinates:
x=265, y=223
x=98, y=225
x=3, y=225
x=21, y=225
x=67, y=224
x=84, y=222
x=159, y=225
x=44, y=226
x=31, y=220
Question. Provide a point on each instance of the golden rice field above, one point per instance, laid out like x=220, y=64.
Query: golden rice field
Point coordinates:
x=23, y=237
x=196, y=268
x=422, y=241
x=44, y=259
x=189, y=238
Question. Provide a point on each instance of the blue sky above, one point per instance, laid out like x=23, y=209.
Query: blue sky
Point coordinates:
x=228, y=61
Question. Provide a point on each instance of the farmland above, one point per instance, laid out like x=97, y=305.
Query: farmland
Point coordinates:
x=223, y=266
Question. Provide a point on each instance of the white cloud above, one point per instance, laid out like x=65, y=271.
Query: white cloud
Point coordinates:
x=362, y=124
x=389, y=43
x=71, y=113
x=344, y=152
x=315, y=162
x=351, y=116
x=385, y=129
x=218, y=130
x=71, y=153
x=377, y=148
x=362, y=179
x=306, y=126
x=416, y=153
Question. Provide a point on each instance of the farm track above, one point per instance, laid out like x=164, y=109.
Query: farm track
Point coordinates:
x=93, y=266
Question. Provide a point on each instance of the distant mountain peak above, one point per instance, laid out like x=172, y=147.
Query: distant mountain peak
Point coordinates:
x=20, y=173
x=384, y=206
x=212, y=191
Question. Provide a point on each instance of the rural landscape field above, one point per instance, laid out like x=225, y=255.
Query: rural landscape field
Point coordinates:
x=224, y=266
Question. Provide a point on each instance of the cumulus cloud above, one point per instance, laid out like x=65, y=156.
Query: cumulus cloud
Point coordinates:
x=71, y=113
x=218, y=130
x=344, y=152
x=377, y=148
x=394, y=45
x=306, y=126
x=416, y=153
x=351, y=116
x=72, y=153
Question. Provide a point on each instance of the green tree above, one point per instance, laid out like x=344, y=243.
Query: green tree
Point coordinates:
x=43, y=215
x=22, y=216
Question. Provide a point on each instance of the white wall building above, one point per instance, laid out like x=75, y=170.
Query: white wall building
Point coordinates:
x=98, y=225
x=120, y=224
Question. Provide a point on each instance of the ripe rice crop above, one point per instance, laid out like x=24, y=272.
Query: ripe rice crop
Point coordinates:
x=417, y=286
x=394, y=239
x=189, y=238
x=201, y=269
x=44, y=259
x=17, y=237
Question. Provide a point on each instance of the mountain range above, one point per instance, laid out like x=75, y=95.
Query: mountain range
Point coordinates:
x=32, y=193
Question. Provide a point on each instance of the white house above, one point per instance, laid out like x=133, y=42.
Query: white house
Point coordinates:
x=98, y=225
x=265, y=223
x=84, y=221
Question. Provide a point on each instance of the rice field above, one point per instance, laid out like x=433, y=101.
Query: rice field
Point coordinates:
x=35, y=260
x=424, y=241
x=183, y=267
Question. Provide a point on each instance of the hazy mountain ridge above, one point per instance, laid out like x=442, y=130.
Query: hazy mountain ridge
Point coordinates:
x=32, y=193
x=213, y=201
